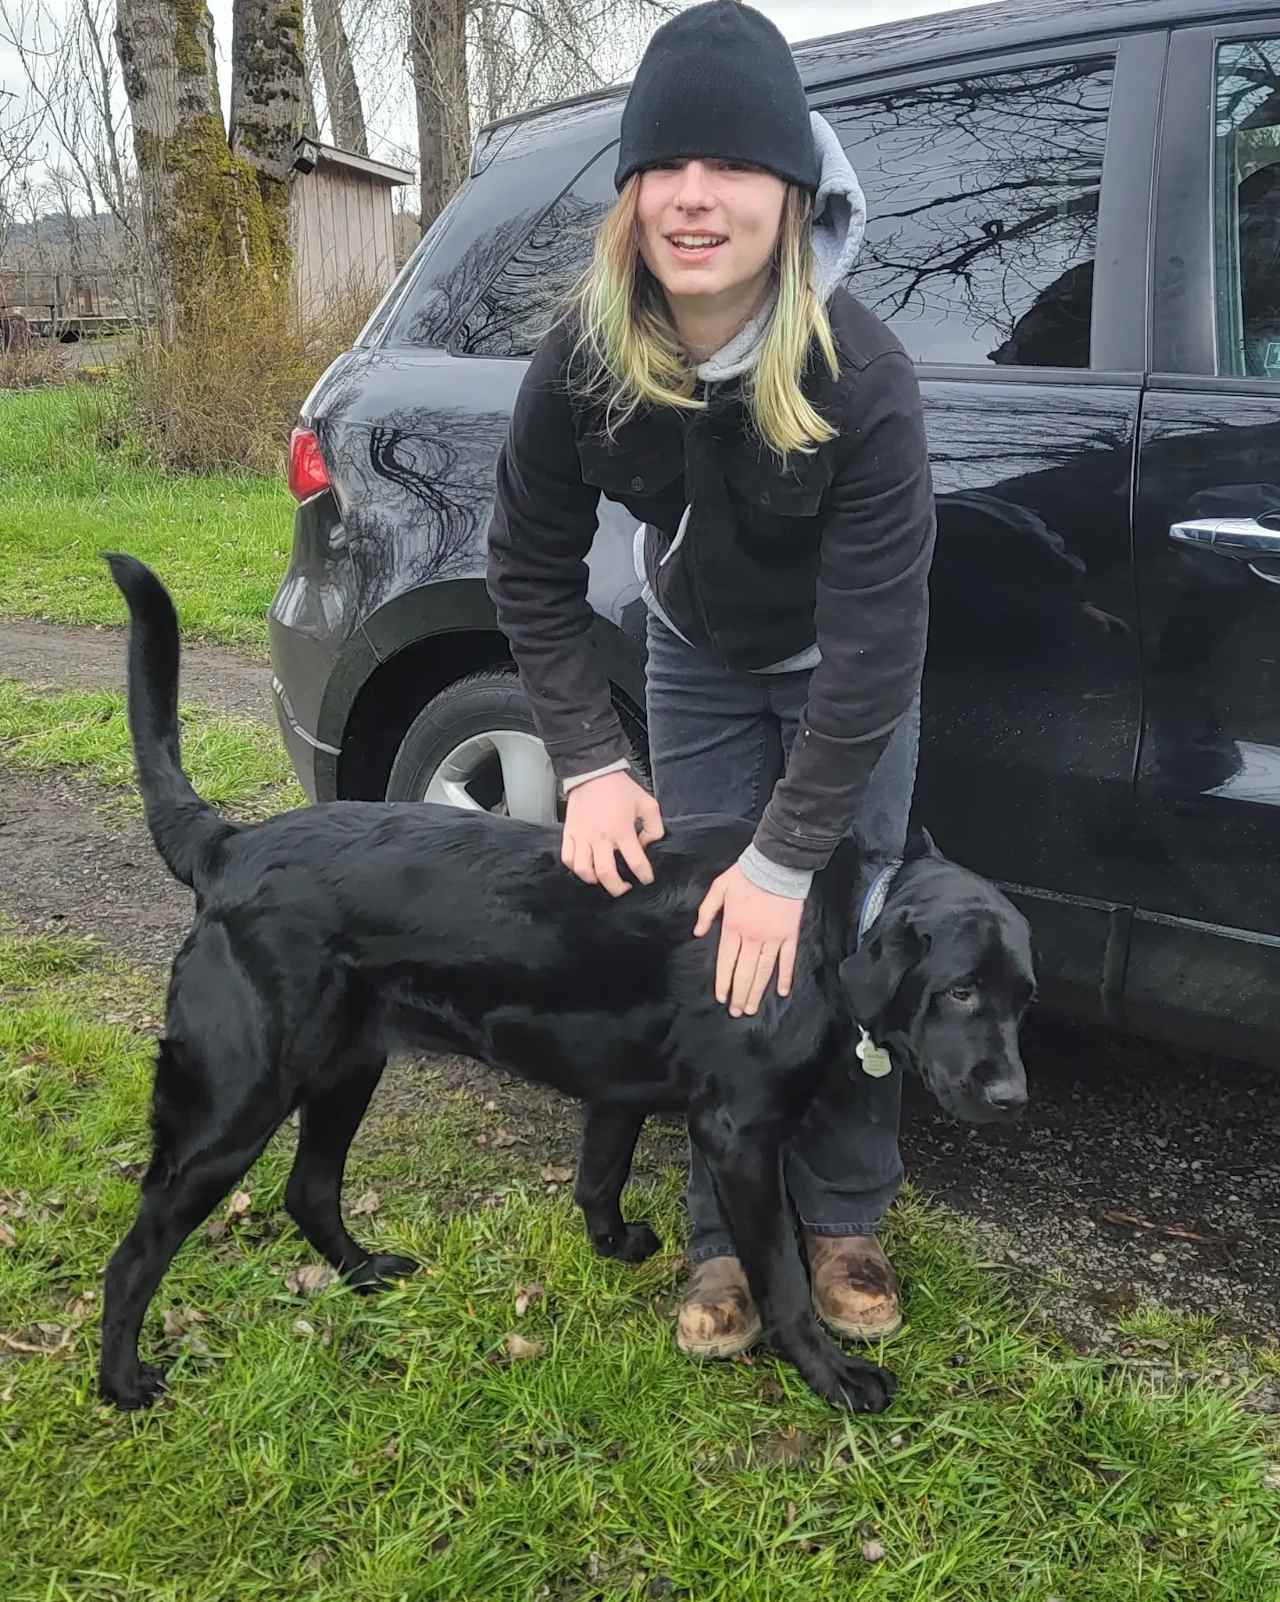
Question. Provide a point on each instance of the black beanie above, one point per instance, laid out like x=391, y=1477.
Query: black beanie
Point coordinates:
x=718, y=80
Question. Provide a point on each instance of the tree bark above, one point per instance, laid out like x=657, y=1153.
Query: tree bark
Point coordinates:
x=346, y=112
x=268, y=107
x=438, y=47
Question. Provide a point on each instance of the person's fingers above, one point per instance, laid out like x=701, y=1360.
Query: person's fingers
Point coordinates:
x=744, y=973
x=765, y=963
x=710, y=908
x=607, y=868
x=636, y=860
x=582, y=862
x=726, y=958
x=786, y=966
x=651, y=825
x=567, y=849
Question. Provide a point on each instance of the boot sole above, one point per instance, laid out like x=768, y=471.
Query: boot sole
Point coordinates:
x=725, y=1346
x=868, y=1334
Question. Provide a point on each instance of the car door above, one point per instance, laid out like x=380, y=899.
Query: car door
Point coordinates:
x=1206, y=938
x=1008, y=203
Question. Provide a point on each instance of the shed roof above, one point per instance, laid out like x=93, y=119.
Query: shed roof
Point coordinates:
x=314, y=151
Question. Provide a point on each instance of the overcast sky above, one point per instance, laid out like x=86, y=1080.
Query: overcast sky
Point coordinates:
x=798, y=19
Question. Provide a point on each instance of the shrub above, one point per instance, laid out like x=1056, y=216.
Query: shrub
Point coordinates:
x=226, y=392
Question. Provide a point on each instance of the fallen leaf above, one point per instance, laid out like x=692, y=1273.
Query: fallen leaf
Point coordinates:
x=792, y=1513
x=313, y=1563
x=526, y=1295
x=490, y=1106
x=178, y=1320
x=557, y=1176
x=301, y=1327
x=504, y=1139
x=1271, y=1479
x=364, y=1205
x=7, y=1236
x=518, y=1347
x=872, y=1551
x=239, y=1204
x=308, y=1280
x=58, y=1340
x=215, y=1229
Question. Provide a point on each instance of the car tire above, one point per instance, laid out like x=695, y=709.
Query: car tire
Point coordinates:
x=475, y=746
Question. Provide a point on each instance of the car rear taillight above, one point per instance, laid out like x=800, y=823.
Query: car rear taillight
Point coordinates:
x=307, y=473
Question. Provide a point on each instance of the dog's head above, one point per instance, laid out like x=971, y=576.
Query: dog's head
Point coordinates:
x=942, y=980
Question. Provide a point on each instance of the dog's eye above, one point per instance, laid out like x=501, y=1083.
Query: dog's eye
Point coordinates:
x=963, y=993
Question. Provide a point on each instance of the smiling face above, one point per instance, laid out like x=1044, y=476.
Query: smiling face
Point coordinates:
x=728, y=215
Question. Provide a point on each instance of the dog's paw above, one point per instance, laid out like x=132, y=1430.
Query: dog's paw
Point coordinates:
x=861, y=1387
x=638, y=1243
x=377, y=1272
x=132, y=1391
x=632, y=1245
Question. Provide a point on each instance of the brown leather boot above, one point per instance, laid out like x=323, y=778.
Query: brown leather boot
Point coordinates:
x=717, y=1317
x=855, y=1290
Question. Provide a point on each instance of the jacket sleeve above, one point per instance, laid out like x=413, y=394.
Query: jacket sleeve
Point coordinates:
x=543, y=523
x=872, y=614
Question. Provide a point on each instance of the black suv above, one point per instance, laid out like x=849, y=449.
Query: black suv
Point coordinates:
x=1075, y=230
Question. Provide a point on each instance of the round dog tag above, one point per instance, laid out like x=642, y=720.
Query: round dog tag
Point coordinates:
x=874, y=1059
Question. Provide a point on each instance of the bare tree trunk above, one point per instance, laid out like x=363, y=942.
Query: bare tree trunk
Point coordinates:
x=438, y=46
x=268, y=106
x=170, y=76
x=346, y=112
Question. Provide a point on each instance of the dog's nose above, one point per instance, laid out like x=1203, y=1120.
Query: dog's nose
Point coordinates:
x=1006, y=1097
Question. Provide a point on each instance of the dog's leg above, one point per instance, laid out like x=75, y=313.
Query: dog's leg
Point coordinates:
x=314, y=1193
x=609, y=1136
x=173, y=1204
x=745, y=1163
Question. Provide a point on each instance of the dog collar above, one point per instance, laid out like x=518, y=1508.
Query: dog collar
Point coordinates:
x=876, y=897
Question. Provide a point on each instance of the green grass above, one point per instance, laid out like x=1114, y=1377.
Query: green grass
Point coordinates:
x=336, y=1447
x=232, y=762
x=220, y=542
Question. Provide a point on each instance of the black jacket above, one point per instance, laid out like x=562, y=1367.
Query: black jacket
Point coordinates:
x=836, y=549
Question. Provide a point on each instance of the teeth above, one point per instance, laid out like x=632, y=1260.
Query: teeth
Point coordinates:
x=695, y=240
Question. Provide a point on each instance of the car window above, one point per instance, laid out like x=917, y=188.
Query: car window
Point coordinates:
x=982, y=200
x=520, y=303
x=1247, y=208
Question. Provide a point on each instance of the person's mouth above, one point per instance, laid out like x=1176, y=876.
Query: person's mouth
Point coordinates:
x=693, y=247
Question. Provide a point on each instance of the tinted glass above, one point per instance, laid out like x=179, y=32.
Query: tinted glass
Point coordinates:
x=540, y=265
x=982, y=197
x=1247, y=208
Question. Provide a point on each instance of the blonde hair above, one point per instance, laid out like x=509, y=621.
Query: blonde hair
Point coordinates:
x=628, y=352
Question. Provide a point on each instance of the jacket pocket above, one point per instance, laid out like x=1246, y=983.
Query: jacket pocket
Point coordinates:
x=764, y=491
x=626, y=473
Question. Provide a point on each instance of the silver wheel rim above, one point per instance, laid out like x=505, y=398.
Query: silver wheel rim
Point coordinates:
x=528, y=782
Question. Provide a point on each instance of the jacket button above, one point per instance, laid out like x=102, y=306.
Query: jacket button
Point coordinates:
x=764, y=497
x=637, y=483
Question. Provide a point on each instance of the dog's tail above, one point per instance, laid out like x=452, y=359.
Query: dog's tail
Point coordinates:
x=186, y=830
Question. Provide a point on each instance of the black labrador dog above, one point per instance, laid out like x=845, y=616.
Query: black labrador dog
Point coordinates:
x=327, y=937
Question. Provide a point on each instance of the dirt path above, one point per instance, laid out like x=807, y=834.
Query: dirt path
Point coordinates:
x=1139, y=1174
x=50, y=655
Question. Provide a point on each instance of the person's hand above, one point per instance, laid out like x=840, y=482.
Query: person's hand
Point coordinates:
x=604, y=815
x=758, y=931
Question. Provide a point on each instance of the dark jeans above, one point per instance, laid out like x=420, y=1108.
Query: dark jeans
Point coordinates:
x=717, y=743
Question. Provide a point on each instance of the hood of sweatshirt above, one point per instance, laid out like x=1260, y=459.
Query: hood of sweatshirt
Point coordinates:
x=839, y=222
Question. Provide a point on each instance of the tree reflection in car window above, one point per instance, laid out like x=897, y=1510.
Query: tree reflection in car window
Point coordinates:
x=982, y=199
x=1247, y=208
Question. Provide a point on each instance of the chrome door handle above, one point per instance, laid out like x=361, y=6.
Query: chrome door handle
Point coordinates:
x=1242, y=539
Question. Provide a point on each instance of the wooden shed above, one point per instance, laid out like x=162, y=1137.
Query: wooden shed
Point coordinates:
x=340, y=220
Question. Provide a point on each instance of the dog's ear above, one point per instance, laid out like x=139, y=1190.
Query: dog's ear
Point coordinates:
x=920, y=843
x=874, y=974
